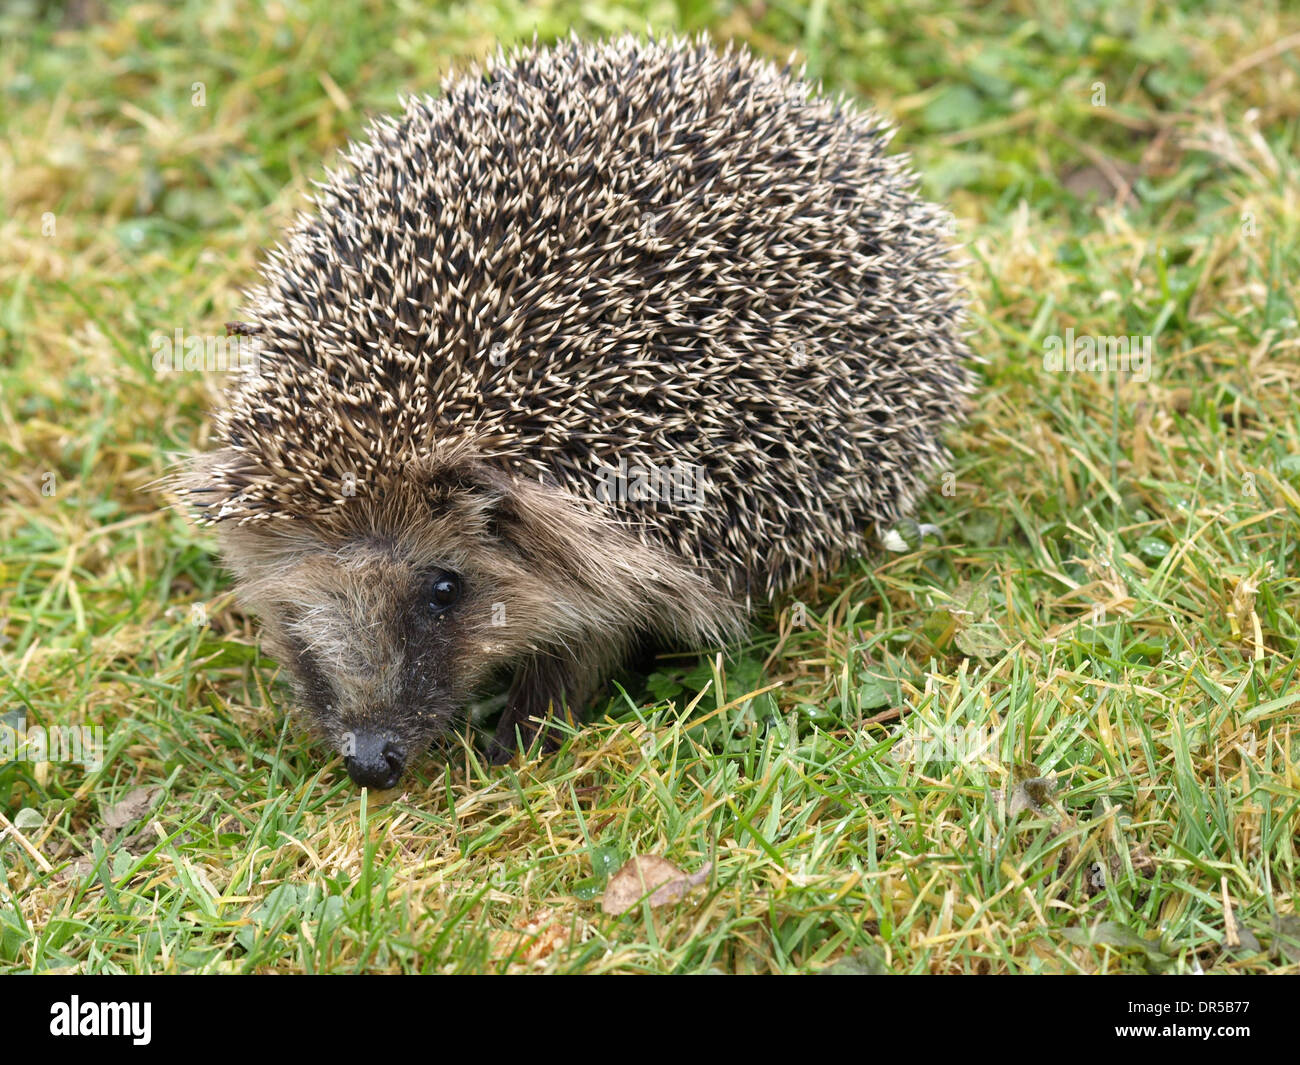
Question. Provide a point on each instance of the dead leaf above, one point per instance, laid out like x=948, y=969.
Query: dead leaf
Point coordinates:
x=133, y=806
x=1099, y=874
x=648, y=874
x=1030, y=790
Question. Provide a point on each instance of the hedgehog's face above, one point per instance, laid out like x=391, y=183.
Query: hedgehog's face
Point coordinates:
x=374, y=656
x=450, y=578
x=385, y=644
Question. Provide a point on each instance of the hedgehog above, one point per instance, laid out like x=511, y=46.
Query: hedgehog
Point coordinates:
x=606, y=343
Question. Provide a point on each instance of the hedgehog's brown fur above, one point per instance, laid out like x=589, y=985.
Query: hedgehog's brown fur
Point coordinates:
x=643, y=253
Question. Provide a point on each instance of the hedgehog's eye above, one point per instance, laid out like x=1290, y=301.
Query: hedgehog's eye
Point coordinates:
x=444, y=590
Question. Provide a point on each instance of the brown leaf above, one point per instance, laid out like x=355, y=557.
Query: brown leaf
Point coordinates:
x=133, y=806
x=1029, y=791
x=651, y=875
x=1112, y=871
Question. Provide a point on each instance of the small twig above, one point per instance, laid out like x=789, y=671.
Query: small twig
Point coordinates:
x=1123, y=190
x=1238, y=68
x=892, y=714
x=1230, y=937
x=37, y=856
x=1247, y=62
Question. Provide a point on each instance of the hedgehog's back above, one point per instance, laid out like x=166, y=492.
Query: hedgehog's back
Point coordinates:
x=600, y=260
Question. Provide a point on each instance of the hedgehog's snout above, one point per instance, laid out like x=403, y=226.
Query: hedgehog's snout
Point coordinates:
x=375, y=759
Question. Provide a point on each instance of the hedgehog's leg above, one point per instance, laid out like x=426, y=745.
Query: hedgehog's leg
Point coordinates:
x=544, y=686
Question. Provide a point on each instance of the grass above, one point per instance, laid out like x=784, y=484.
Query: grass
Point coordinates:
x=1059, y=735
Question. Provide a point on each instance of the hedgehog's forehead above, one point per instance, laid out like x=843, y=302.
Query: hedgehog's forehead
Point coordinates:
x=394, y=557
x=299, y=566
x=364, y=568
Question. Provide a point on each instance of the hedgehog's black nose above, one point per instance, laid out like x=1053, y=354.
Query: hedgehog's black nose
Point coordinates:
x=376, y=761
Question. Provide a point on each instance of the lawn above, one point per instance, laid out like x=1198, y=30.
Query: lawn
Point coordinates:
x=1051, y=726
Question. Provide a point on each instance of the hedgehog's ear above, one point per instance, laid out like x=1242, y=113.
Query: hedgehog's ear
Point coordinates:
x=548, y=528
x=541, y=526
x=452, y=474
x=609, y=577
